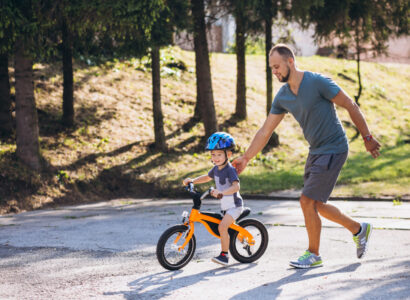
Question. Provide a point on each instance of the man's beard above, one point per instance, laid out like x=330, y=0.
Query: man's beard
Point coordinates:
x=285, y=78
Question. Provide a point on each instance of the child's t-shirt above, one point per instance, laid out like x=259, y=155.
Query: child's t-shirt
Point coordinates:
x=223, y=180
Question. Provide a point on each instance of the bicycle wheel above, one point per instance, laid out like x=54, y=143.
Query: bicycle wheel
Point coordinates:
x=240, y=248
x=167, y=248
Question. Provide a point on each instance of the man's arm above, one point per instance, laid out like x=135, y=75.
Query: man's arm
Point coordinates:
x=259, y=141
x=371, y=144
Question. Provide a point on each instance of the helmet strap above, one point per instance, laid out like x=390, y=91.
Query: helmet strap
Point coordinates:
x=226, y=159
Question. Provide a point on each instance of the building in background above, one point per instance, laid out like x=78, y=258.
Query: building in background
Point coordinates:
x=221, y=37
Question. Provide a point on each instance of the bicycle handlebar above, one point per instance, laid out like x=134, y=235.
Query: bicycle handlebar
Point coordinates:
x=197, y=197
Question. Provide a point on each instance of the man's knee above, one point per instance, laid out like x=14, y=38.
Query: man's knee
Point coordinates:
x=306, y=202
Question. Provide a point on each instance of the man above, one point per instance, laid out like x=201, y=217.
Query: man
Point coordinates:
x=310, y=98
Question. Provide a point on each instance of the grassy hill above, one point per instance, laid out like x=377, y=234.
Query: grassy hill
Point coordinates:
x=107, y=154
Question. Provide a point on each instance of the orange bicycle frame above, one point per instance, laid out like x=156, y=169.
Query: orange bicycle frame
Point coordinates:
x=197, y=216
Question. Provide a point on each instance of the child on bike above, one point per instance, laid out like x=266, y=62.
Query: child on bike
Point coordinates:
x=221, y=145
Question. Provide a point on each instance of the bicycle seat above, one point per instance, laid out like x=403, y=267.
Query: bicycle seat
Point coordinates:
x=245, y=213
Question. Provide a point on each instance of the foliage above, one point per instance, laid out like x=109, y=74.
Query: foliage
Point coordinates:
x=29, y=20
x=366, y=25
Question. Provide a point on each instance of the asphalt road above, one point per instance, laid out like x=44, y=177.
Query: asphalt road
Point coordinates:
x=107, y=251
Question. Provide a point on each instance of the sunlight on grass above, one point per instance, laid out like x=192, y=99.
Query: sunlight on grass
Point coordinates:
x=108, y=152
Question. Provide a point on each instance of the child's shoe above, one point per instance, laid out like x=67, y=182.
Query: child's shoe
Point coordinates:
x=222, y=259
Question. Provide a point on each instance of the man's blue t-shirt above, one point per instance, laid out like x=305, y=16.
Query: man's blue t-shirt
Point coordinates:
x=315, y=112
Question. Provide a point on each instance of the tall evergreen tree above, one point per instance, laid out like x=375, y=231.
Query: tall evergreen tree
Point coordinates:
x=6, y=42
x=6, y=120
x=205, y=96
x=366, y=25
x=26, y=21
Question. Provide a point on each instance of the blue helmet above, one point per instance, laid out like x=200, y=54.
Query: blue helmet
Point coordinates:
x=220, y=141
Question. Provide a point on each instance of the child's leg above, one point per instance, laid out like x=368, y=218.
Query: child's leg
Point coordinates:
x=223, y=231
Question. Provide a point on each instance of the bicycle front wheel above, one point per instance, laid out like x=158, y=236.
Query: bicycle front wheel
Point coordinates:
x=241, y=250
x=167, y=248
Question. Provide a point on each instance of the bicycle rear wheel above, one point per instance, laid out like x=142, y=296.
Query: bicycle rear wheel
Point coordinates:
x=239, y=247
x=167, y=248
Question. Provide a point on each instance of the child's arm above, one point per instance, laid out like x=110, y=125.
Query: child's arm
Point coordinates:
x=232, y=190
x=199, y=179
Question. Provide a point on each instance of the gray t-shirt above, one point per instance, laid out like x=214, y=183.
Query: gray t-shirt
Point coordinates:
x=315, y=113
x=223, y=180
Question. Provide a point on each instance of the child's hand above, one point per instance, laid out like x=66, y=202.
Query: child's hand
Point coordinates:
x=217, y=194
x=187, y=181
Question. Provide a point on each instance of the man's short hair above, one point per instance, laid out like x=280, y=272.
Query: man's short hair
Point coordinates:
x=284, y=50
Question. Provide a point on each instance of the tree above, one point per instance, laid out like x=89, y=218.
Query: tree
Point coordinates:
x=74, y=19
x=68, y=76
x=266, y=10
x=25, y=21
x=6, y=120
x=205, y=96
x=171, y=17
x=160, y=141
x=6, y=42
x=366, y=25
x=240, y=13
x=28, y=148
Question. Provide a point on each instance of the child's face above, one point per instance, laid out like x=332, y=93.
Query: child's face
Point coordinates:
x=218, y=156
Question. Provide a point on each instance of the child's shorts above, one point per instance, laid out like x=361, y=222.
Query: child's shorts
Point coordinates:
x=234, y=212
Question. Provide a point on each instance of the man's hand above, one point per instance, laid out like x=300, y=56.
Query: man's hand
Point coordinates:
x=187, y=181
x=240, y=164
x=372, y=146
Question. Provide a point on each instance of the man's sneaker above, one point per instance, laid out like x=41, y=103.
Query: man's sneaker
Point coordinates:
x=221, y=259
x=362, y=239
x=307, y=260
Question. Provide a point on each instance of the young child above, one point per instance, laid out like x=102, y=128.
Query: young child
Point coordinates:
x=221, y=145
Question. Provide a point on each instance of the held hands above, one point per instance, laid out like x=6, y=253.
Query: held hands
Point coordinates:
x=372, y=146
x=240, y=164
x=187, y=181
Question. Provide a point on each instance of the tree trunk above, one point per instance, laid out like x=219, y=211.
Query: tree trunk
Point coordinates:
x=6, y=120
x=203, y=69
x=28, y=149
x=156, y=100
x=268, y=46
x=240, y=110
x=274, y=139
x=359, y=92
x=68, y=91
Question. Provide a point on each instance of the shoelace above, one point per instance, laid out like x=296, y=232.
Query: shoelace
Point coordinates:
x=304, y=256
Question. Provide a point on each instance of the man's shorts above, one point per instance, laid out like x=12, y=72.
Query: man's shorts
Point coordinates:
x=321, y=173
x=234, y=212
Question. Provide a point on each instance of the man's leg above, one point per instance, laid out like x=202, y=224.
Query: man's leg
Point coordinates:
x=311, y=258
x=333, y=213
x=312, y=222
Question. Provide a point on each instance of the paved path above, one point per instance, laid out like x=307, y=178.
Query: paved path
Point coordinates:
x=107, y=250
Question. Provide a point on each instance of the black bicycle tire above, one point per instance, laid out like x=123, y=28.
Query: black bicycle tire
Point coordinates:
x=163, y=240
x=264, y=241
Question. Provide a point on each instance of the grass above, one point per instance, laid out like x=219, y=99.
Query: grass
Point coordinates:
x=107, y=154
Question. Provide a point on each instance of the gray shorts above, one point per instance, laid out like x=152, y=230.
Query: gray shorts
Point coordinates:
x=234, y=212
x=321, y=173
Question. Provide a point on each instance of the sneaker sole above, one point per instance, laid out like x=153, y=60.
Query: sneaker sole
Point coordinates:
x=367, y=242
x=219, y=262
x=305, y=266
